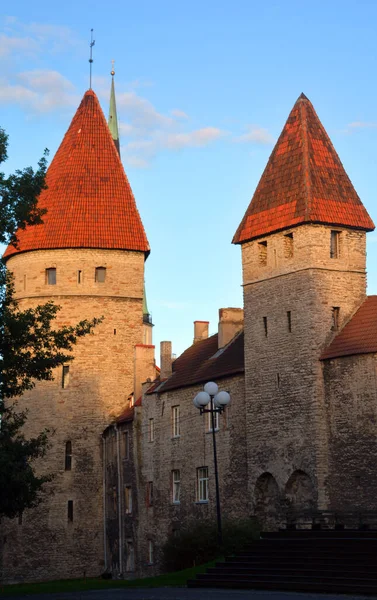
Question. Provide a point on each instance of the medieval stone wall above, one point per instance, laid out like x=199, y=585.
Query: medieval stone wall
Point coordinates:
x=48, y=544
x=193, y=448
x=291, y=286
x=351, y=410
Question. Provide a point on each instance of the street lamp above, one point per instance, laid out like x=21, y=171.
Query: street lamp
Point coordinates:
x=217, y=401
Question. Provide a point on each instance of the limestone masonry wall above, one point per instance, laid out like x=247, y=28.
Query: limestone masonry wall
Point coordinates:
x=291, y=287
x=100, y=380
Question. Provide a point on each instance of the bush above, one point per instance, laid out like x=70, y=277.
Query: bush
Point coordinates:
x=198, y=543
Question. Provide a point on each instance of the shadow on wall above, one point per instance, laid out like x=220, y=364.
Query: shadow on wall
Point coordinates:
x=273, y=509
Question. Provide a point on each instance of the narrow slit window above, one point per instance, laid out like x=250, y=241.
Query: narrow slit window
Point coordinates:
x=126, y=439
x=150, y=493
x=70, y=511
x=151, y=430
x=289, y=320
x=278, y=380
x=335, y=244
x=265, y=326
x=175, y=422
x=79, y=276
x=128, y=500
x=51, y=276
x=100, y=275
x=288, y=245
x=262, y=250
x=68, y=456
x=335, y=318
x=150, y=552
x=65, y=376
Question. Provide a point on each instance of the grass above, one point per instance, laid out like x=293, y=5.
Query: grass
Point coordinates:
x=177, y=579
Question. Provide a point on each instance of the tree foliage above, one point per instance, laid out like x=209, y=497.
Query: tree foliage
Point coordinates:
x=30, y=346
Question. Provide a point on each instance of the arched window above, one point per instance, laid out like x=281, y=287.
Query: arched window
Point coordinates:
x=68, y=456
x=100, y=274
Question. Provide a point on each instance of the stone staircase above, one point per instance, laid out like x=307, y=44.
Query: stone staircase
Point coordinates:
x=342, y=561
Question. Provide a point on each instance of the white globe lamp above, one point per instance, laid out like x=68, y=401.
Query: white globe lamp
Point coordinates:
x=211, y=388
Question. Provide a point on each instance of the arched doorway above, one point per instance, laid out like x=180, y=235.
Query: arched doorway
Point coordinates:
x=267, y=501
x=300, y=500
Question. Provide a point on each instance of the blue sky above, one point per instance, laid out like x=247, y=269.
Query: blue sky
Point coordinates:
x=203, y=91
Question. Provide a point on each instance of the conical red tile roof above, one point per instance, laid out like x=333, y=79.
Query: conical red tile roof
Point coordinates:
x=89, y=200
x=303, y=182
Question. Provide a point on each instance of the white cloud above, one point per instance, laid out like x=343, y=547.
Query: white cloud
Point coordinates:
x=12, y=44
x=39, y=91
x=255, y=135
x=361, y=125
x=196, y=138
x=179, y=114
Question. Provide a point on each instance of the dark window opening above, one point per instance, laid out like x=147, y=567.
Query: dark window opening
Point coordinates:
x=335, y=318
x=288, y=245
x=79, y=276
x=278, y=380
x=265, y=326
x=262, y=248
x=100, y=275
x=51, y=276
x=335, y=244
x=65, y=376
x=68, y=456
x=289, y=320
x=70, y=511
x=115, y=331
x=150, y=493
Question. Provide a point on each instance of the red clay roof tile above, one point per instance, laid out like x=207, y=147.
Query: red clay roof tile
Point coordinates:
x=303, y=182
x=204, y=362
x=89, y=200
x=359, y=336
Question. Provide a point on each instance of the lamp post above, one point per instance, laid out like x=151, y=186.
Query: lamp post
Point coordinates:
x=217, y=402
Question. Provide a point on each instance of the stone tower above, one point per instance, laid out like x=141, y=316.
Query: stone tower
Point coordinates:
x=88, y=257
x=303, y=257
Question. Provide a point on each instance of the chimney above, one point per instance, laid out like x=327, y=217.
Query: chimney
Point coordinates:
x=165, y=360
x=200, y=330
x=230, y=323
x=144, y=367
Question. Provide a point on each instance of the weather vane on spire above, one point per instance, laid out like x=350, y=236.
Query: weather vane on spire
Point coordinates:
x=112, y=68
x=92, y=42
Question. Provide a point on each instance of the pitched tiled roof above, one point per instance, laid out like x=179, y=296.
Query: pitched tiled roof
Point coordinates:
x=89, y=200
x=359, y=336
x=127, y=415
x=204, y=362
x=303, y=182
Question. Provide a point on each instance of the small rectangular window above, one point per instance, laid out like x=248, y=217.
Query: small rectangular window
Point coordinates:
x=150, y=493
x=288, y=245
x=151, y=430
x=65, y=376
x=68, y=456
x=100, y=274
x=126, y=440
x=289, y=320
x=335, y=318
x=150, y=552
x=70, y=511
x=176, y=486
x=202, y=484
x=208, y=421
x=128, y=500
x=334, y=244
x=175, y=425
x=265, y=326
x=262, y=251
x=79, y=276
x=51, y=276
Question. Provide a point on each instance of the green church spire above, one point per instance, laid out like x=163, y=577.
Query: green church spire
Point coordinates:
x=145, y=305
x=113, y=119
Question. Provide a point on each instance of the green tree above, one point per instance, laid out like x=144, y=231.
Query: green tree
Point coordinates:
x=30, y=347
